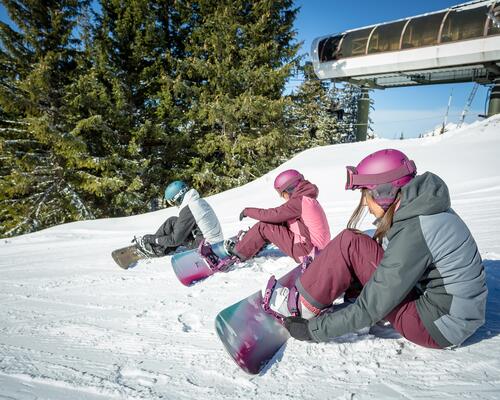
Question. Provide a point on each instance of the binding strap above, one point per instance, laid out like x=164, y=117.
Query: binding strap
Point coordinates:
x=214, y=262
x=293, y=295
x=271, y=285
x=293, y=301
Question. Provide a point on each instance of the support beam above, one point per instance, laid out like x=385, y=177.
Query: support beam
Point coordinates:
x=494, y=102
x=363, y=110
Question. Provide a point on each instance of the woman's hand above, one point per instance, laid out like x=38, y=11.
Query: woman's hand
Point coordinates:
x=298, y=328
x=242, y=215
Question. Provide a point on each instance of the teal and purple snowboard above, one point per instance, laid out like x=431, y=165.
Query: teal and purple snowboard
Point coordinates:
x=190, y=266
x=249, y=334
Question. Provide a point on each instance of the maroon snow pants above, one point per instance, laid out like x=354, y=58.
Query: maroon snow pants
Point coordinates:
x=262, y=233
x=350, y=256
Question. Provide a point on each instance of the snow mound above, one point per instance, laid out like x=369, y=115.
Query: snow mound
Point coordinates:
x=74, y=325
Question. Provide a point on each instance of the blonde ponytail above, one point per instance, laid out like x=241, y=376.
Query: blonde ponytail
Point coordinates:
x=384, y=224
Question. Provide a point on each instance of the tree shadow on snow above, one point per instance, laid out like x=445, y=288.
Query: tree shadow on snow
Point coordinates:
x=491, y=327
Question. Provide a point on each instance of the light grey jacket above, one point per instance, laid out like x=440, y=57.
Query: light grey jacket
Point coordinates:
x=431, y=249
x=204, y=215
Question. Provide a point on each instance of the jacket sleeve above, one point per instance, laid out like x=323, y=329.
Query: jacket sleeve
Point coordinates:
x=181, y=230
x=290, y=210
x=405, y=260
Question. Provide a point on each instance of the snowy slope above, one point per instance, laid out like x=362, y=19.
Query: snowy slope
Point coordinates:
x=73, y=325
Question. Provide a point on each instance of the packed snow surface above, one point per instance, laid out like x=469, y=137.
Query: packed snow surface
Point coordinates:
x=73, y=325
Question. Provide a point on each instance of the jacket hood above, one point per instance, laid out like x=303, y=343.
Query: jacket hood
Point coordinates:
x=305, y=188
x=426, y=194
x=191, y=195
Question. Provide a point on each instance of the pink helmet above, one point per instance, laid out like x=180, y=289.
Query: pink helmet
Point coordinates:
x=383, y=173
x=287, y=180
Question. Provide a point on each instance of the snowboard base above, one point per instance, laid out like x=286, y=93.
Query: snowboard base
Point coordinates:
x=128, y=257
x=190, y=266
x=250, y=335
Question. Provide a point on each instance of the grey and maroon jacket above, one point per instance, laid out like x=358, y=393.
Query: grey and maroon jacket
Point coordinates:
x=430, y=249
x=302, y=213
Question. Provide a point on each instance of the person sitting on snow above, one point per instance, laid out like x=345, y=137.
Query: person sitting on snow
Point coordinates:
x=421, y=271
x=298, y=228
x=196, y=221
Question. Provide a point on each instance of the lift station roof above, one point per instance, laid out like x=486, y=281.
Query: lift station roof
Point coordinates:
x=459, y=44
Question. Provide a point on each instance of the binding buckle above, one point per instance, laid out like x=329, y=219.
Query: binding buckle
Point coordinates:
x=215, y=263
x=293, y=295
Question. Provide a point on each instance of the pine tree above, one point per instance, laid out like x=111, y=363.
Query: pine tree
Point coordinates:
x=99, y=111
x=116, y=103
x=314, y=113
x=323, y=113
x=38, y=57
x=239, y=55
x=347, y=97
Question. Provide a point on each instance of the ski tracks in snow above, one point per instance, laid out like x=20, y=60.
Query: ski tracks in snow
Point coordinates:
x=108, y=333
x=72, y=326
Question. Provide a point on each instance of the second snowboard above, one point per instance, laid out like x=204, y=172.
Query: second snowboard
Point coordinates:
x=250, y=335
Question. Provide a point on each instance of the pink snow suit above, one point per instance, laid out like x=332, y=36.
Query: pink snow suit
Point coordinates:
x=297, y=227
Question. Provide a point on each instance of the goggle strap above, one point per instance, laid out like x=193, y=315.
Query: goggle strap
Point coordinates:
x=173, y=200
x=375, y=179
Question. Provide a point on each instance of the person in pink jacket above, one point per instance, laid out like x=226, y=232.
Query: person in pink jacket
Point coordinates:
x=298, y=227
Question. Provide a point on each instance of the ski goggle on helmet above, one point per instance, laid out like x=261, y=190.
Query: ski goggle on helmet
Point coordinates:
x=383, y=173
x=287, y=180
x=175, y=192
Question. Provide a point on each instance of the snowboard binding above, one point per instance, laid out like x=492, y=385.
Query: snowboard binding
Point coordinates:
x=292, y=301
x=143, y=249
x=214, y=262
x=292, y=296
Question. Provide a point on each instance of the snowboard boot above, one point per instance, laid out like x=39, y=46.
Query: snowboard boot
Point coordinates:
x=230, y=246
x=278, y=301
x=282, y=302
x=144, y=247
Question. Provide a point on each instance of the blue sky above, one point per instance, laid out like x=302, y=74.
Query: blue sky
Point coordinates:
x=411, y=110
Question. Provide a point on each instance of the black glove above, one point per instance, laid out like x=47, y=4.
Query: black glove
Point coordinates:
x=297, y=326
x=151, y=239
x=242, y=215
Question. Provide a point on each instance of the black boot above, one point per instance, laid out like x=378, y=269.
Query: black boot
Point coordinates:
x=145, y=247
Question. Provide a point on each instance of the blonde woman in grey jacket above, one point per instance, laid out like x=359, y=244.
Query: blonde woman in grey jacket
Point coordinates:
x=422, y=271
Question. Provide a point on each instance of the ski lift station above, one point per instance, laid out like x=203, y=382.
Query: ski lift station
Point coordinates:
x=459, y=44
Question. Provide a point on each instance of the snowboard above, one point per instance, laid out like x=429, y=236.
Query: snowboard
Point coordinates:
x=190, y=266
x=250, y=335
x=127, y=257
